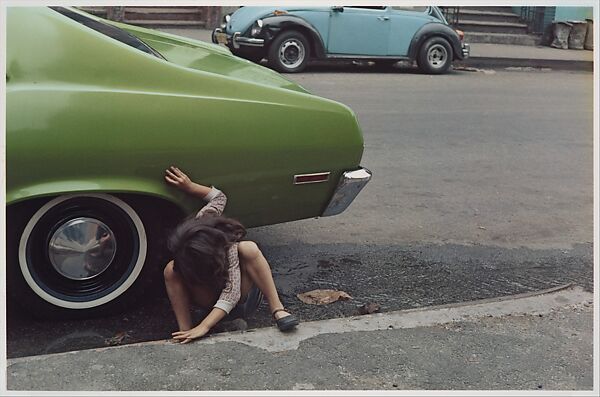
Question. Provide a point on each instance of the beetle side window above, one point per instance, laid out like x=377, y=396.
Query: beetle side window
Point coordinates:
x=108, y=30
x=369, y=7
x=410, y=8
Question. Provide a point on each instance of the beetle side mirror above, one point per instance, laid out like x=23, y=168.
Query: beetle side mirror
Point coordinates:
x=337, y=8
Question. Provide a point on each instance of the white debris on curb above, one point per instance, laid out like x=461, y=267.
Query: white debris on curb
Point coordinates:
x=472, y=69
x=527, y=69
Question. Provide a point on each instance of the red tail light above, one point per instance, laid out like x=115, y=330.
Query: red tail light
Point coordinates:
x=461, y=34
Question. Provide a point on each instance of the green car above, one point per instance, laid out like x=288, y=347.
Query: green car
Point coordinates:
x=97, y=110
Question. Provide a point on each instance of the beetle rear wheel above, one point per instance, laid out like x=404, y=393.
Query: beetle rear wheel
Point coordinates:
x=435, y=56
x=289, y=52
x=80, y=255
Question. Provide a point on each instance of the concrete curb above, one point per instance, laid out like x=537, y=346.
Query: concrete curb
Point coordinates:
x=540, y=302
x=555, y=64
x=269, y=339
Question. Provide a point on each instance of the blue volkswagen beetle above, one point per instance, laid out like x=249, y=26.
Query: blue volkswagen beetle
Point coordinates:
x=290, y=36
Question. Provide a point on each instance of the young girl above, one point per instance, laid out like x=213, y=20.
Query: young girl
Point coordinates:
x=211, y=267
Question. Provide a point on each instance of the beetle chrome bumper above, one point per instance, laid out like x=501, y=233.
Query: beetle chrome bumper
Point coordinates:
x=348, y=188
x=220, y=37
x=466, y=50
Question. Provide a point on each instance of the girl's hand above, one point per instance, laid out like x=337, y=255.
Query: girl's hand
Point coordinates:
x=175, y=177
x=189, y=335
x=179, y=179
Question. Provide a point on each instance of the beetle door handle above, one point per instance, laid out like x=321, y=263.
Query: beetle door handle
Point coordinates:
x=383, y=18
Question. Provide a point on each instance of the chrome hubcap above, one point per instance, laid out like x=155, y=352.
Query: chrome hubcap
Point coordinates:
x=437, y=55
x=291, y=53
x=82, y=248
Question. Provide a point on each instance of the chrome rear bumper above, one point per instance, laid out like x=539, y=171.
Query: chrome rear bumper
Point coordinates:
x=351, y=183
x=466, y=50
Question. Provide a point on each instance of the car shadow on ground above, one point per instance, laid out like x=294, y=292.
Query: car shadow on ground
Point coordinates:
x=361, y=67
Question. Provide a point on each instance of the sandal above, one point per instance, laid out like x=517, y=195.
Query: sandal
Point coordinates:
x=285, y=323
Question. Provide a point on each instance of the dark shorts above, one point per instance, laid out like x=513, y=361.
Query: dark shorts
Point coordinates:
x=241, y=310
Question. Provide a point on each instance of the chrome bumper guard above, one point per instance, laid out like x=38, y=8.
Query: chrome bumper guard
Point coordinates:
x=213, y=36
x=236, y=40
x=466, y=50
x=348, y=188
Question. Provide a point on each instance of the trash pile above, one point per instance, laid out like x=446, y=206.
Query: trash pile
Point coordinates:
x=574, y=35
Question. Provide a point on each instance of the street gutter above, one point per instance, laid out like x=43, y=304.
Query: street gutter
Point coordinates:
x=269, y=339
x=555, y=64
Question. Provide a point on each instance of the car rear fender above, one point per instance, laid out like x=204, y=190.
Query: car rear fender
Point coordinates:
x=114, y=185
x=435, y=29
x=277, y=24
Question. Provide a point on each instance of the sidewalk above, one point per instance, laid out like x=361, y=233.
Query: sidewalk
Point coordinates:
x=504, y=55
x=485, y=55
x=533, y=342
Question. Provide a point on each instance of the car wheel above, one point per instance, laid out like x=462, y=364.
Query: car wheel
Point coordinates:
x=435, y=56
x=79, y=255
x=289, y=52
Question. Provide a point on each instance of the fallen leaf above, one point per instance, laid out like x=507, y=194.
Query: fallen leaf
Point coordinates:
x=323, y=296
x=369, y=308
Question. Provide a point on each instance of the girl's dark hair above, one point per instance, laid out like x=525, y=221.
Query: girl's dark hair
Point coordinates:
x=199, y=248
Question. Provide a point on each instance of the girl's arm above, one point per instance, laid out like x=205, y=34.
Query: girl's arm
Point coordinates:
x=201, y=329
x=229, y=297
x=177, y=178
x=216, y=198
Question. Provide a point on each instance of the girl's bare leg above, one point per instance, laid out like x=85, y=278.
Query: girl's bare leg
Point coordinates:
x=179, y=297
x=257, y=268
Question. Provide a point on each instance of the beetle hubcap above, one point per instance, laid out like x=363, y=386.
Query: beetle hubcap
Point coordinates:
x=291, y=53
x=437, y=55
x=82, y=248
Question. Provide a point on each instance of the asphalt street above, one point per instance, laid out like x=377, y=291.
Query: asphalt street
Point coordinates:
x=482, y=188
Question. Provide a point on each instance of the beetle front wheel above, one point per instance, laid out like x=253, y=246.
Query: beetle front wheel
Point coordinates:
x=289, y=52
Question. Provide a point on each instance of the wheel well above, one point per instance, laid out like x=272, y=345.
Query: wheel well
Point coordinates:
x=311, y=42
x=168, y=212
x=439, y=35
x=306, y=32
x=415, y=47
x=167, y=216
